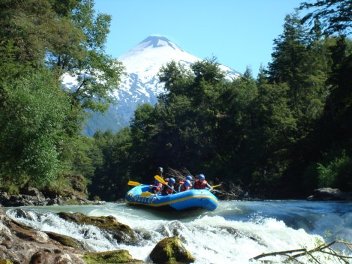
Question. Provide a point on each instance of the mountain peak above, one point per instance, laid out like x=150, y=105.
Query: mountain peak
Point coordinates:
x=155, y=41
x=140, y=83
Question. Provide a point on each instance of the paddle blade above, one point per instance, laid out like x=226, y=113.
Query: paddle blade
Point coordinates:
x=133, y=183
x=160, y=179
x=146, y=194
x=215, y=186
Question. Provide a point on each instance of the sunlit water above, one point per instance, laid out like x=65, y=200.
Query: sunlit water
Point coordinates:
x=234, y=233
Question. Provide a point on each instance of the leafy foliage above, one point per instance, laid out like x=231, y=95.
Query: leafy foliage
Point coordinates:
x=40, y=139
x=32, y=117
x=112, y=173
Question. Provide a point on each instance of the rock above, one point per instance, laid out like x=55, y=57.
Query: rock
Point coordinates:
x=65, y=240
x=171, y=250
x=31, y=196
x=26, y=233
x=63, y=259
x=52, y=257
x=79, y=183
x=122, y=233
x=329, y=194
x=4, y=197
x=34, y=192
x=114, y=256
x=5, y=261
x=22, y=199
x=20, y=213
x=21, y=244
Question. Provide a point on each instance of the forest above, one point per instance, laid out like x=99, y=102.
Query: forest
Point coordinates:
x=280, y=134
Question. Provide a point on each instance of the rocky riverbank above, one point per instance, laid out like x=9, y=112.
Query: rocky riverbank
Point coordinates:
x=330, y=194
x=22, y=244
x=33, y=197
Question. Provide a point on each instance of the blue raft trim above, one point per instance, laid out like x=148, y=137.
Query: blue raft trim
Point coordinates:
x=189, y=199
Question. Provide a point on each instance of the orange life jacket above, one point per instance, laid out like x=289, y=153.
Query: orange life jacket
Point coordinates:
x=157, y=187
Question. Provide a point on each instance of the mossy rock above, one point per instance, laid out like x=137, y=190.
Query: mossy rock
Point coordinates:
x=121, y=232
x=171, y=251
x=110, y=257
x=5, y=261
x=65, y=240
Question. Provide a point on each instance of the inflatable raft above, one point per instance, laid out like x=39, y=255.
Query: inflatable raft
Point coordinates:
x=193, y=198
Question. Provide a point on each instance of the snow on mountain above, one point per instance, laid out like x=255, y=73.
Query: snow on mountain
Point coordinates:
x=140, y=83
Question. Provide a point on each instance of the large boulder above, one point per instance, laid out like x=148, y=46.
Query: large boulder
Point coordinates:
x=329, y=194
x=121, y=233
x=114, y=256
x=26, y=233
x=171, y=251
x=22, y=244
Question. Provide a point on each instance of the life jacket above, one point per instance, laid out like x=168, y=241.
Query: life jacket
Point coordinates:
x=200, y=184
x=169, y=190
x=178, y=185
x=156, y=187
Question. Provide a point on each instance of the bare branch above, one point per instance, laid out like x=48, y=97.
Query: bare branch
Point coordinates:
x=293, y=255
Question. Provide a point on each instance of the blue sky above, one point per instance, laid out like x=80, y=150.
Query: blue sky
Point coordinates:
x=239, y=33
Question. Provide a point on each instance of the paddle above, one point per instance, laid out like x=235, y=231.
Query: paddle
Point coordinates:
x=162, y=181
x=216, y=186
x=146, y=194
x=133, y=183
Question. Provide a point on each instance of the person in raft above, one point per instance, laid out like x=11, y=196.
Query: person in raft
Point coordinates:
x=201, y=183
x=169, y=188
x=190, y=178
x=182, y=181
x=157, y=186
x=185, y=186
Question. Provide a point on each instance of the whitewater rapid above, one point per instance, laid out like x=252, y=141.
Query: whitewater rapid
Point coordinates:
x=234, y=233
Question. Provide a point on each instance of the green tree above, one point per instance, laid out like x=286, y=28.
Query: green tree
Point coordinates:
x=273, y=133
x=32, y=117
x=302, y=61
x=232, y=132
x=40, y=42
x=110, y=178
x=335, y=15
x=81, y=54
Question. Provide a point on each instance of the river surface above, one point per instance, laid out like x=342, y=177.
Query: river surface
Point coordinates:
x=234, y=233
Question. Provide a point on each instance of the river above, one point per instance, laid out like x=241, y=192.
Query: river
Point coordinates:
x=234, y=233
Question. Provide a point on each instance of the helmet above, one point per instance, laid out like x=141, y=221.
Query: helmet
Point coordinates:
x=201, y=177
x=187, y=183
x=172, y=181
x=160, y=169
x=189, y=177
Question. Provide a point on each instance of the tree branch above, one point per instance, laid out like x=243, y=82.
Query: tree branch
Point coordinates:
x=293, y=255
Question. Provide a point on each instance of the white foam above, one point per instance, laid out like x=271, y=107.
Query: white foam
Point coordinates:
x=210, y=238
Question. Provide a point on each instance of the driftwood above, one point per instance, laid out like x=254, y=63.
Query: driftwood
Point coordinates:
x=292, y=256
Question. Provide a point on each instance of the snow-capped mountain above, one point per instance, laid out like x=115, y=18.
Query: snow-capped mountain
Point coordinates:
x=140, y=83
